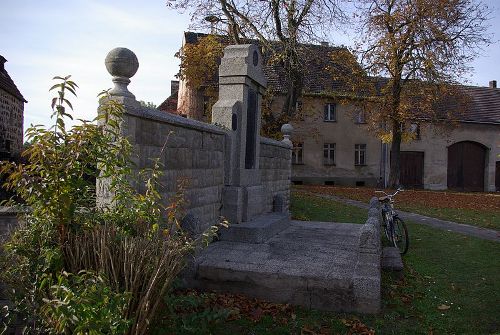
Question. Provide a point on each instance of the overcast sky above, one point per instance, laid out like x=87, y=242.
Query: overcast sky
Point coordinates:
x=42, y=39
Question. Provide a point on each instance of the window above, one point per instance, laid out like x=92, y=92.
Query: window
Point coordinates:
x=298, y=106
x=360, y=154
x=330, y=113
x=360, y=117
x=415, y=129
x=297, y=153
x=329, y=154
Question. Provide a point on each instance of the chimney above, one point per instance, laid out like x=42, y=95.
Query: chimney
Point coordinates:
x=174, y=86
x=493, y=84
x=2, y=62
x=325, y=44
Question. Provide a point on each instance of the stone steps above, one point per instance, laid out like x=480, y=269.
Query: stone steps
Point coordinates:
x=258, y=230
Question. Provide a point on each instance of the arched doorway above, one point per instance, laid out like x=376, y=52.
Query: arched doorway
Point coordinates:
x=466, y=162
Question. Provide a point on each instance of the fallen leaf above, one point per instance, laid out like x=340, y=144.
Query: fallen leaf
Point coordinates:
x=443, y=307
x=305, y=330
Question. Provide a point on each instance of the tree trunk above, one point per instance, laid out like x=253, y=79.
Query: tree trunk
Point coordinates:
x=296, y=82
x=395, y=155
x=396, y=132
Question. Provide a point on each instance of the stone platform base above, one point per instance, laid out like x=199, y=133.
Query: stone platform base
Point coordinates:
x=312, y=264
x=391, y=259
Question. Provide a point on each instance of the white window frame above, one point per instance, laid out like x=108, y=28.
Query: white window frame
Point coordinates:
x=298, y=153
x=360, y=154
x=330, y=112
x=360, y=117
x=415, y=128
x=329, y=153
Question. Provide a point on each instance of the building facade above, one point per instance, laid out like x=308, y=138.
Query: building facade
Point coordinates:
x=333, y=146
x=11, y=115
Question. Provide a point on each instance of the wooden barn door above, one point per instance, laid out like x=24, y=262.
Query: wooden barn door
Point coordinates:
x=412, y=169
x=466, y=162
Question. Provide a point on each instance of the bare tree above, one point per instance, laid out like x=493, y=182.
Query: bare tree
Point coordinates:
x=422, y=47
x=281, y=26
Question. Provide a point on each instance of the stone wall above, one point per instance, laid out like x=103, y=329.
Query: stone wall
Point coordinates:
x=8, y=221
x=274, y=164
x=195, y=152
x=192, y=151
x=220, y=162
x=11, y=123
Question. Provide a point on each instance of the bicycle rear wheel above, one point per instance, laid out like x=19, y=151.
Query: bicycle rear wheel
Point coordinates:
x=400, y=237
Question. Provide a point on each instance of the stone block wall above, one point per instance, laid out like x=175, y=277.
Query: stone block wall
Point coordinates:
x=195, y=152
x=275, y=166
x=189, y=150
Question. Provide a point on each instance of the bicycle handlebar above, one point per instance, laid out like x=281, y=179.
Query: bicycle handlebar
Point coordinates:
x=391, y=195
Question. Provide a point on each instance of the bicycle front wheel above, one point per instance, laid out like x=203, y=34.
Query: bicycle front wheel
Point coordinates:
x=386, y=222
x=400, y=237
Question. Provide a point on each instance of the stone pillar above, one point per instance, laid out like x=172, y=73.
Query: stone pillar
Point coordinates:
x=241, y=85
x=122, y=64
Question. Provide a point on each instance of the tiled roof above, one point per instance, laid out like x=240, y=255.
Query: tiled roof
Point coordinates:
x=317, y=59
x=6, y=83
x=483, y=105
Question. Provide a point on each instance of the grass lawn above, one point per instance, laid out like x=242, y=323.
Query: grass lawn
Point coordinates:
x=307, y=207
x=479, y=209
x=451, y=285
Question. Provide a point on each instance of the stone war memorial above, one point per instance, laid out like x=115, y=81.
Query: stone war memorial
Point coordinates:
x=234, y=173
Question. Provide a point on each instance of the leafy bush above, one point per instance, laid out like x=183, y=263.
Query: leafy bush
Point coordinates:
x=84, y=304
x=129, y=248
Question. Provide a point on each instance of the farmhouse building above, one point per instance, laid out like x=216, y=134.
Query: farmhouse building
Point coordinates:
x=11, y=115
x=333, y=144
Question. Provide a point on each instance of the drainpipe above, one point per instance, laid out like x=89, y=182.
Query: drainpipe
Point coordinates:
x=383, y=163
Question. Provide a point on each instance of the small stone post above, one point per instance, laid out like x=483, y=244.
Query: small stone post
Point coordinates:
x=241, y=85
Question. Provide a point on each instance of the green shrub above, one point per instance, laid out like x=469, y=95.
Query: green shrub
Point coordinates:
x=84, y=304
x=129, y=248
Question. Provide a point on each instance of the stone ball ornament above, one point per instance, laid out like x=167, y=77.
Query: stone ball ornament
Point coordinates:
x=121, y=62
x=287, y=129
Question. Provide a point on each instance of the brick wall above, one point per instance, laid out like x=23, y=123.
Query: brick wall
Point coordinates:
x=275, y=167
x=11, y=122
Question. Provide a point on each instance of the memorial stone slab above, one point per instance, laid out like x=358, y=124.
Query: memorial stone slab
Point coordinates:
x=241, y=85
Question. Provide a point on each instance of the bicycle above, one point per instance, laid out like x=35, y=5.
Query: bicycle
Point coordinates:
x=394, y=227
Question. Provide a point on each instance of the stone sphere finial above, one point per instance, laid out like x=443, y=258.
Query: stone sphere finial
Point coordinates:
x=287, y=130
x=122, y=64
